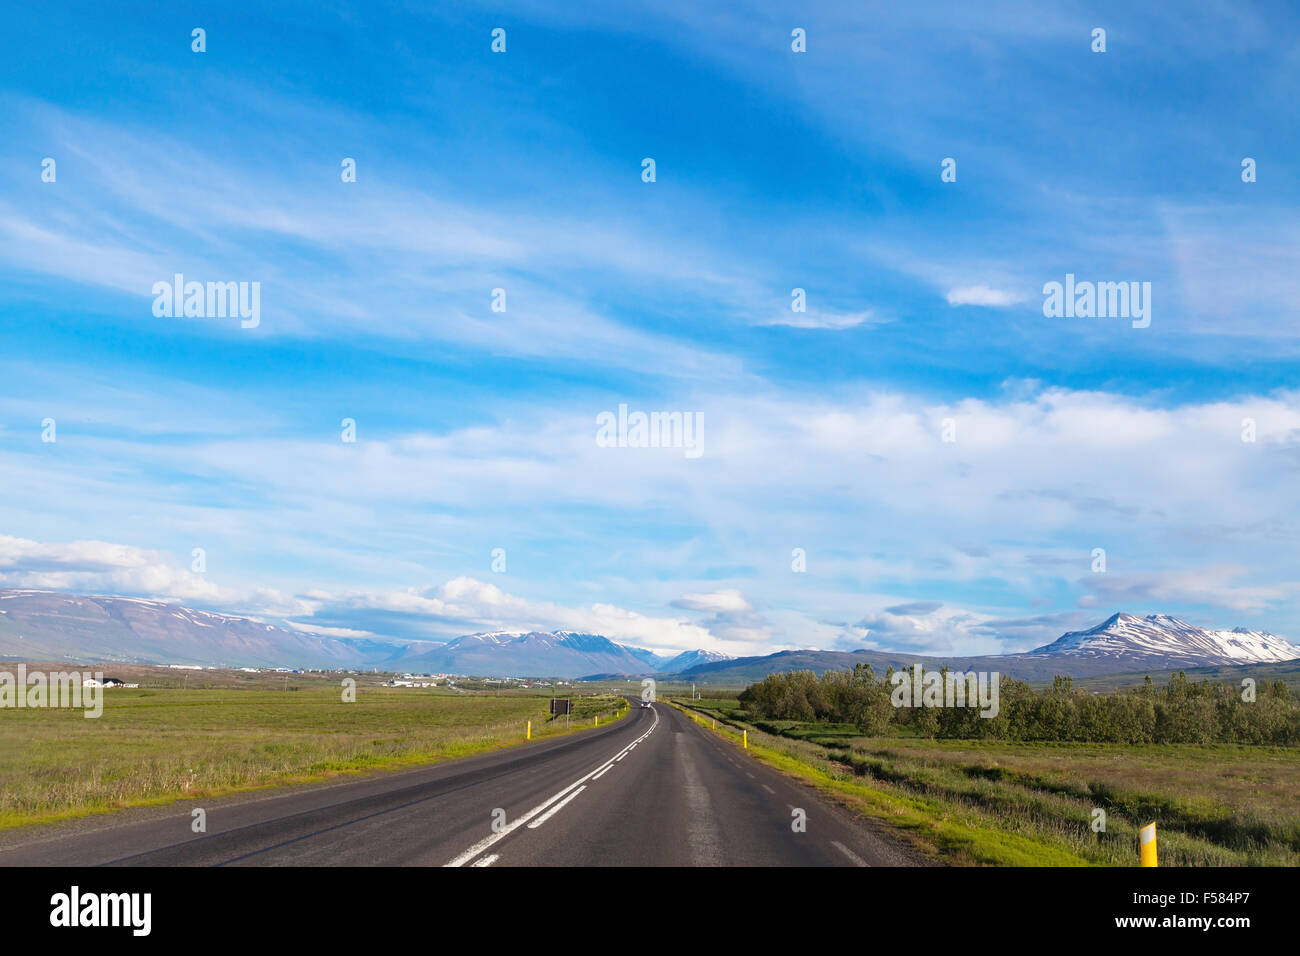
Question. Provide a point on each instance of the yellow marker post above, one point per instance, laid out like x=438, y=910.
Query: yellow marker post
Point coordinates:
x=746, y=733
x=1147, y=845
x=715, y=723
x=530, y=730
x=598, y=720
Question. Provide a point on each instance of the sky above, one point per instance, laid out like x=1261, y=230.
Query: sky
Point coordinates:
x=921, y=460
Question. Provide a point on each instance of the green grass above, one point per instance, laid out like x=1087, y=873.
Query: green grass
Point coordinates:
x=156, y=745
x=1032, y=803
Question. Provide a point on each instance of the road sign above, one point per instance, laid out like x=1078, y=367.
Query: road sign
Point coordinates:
x=561, y=705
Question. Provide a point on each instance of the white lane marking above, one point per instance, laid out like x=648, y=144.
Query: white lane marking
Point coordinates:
x=488, y=841
x=749, y=775
x=857, y=860
x=554, y=810
x=603, y=772
x=486, y=860
x=768, y=789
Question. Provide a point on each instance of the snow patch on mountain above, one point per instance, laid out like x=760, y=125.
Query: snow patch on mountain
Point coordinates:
x=1172, y=642
x=688, y=659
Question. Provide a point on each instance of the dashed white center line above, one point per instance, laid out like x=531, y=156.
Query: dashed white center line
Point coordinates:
x=607, y=769
x=768, y=789
x=568, y=793
x=487, y=860
x=555, y=809
x=857, y=860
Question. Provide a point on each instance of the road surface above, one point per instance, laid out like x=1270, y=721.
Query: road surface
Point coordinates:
x=654, y=789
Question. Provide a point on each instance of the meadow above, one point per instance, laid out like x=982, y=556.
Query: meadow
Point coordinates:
x=160, y=743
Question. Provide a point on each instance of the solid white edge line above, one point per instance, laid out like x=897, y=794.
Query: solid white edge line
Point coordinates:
x=486, y=860
x=488, y=841
x=857, y=860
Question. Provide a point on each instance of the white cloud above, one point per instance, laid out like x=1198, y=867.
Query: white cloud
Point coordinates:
x=728, y=599
x=1217, y=585
x=835, y=321
x=861, y=479
x=99, y=566
x=927, y=628
x=983, y=295
x=466, y=604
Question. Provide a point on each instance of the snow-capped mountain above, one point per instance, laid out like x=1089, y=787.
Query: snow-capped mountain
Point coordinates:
x=691, y=659
x=1169, y=642
x=553, y=654
x=53, y=626
x=536, y=654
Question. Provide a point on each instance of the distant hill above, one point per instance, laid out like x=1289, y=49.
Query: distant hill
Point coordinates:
x=532, y=654
x=746, y=670
x=1288, y=672
x=1122, y=643
x=554, y=654
x=51, y=626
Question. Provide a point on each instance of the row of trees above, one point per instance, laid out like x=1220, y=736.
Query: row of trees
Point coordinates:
x=1182, y=712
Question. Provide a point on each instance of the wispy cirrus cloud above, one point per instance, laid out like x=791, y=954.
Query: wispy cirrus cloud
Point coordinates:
x=825, y=320
x=983, y=295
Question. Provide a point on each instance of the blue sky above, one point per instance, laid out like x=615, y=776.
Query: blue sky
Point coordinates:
x=775, y=170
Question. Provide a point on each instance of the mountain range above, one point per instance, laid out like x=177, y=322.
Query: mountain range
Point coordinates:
x=53, y=626
x=1122, y=643
x=554, y=654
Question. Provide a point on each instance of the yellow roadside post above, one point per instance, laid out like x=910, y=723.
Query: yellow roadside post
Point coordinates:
x=1147, y=845
x=746, y=733
x=715, y=723
x=598, y=720
x=530, y=731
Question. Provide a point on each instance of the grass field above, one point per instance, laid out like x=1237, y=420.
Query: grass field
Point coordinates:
x=157, y=744
x=987, y=802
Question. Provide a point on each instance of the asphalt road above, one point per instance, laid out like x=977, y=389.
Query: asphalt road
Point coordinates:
x=653, y=789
